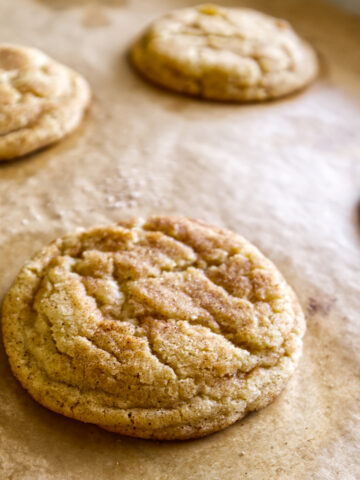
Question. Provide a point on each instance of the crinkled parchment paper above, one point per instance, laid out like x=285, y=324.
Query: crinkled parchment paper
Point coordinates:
x=284, y=174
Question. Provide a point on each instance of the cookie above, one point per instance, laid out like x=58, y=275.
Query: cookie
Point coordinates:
x=228, y=54
x=167, y=328
x=40, y=100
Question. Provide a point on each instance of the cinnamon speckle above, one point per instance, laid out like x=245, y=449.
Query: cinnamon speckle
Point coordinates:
x=320, y=305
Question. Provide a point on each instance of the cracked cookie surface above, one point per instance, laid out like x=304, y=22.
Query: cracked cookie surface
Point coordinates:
x=224, y=54
x=165, y=328
x=41, y=100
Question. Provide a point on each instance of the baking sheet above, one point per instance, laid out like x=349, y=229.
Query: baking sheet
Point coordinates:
x=284, y=174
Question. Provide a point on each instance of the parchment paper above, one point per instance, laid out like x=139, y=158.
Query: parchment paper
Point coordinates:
x=285, y=174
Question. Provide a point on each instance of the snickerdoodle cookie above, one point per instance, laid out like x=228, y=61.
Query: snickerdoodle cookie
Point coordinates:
x=167, y=328
x=224, y=54
x=41, y=100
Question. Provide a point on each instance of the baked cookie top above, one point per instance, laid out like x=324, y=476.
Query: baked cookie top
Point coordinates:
x=224, y=54
x=40, y=100
x=167, y=328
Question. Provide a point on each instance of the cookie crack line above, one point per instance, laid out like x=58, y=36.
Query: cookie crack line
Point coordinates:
x=158, y=357
x=132, y=407
x=220, y=330
x=209, y=37
x=148, y=228
x=154, y=353
x=221, y=333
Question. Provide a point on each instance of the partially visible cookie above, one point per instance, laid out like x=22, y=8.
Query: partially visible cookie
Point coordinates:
x=224, y=54
x=167, y=328
x=41, y=100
